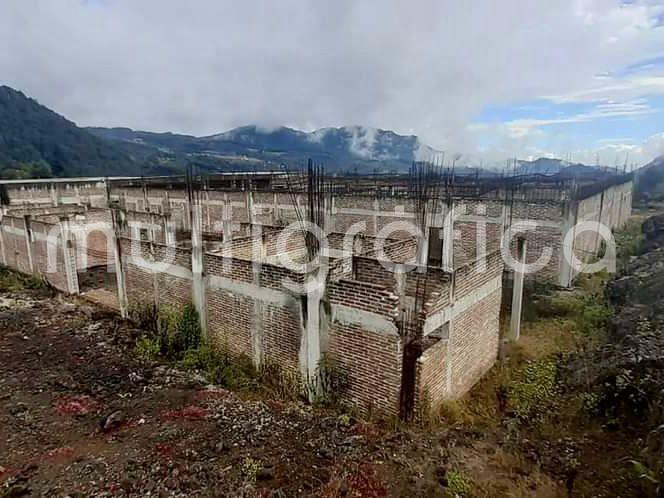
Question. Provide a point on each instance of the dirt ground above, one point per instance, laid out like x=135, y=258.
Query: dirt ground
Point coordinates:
x=81, y=416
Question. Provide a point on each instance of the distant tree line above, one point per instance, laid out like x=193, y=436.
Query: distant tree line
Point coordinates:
x=21, y=170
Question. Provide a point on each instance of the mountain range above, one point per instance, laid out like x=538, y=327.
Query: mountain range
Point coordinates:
x=347, y=148
x=37, y=142
x=550, y=166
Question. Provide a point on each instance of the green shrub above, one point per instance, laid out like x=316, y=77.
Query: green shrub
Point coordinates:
x=559, y=305
x=249, y=469
x=148, y=348
x=645, y=479
x=179, y=330
x=219, y=368
x=457, y=483
x=590, y=312
x=145, y=316
x=629, y=240
x=532, y=392
x=13, y=281
x=177, y=336
x=344, y=420
x=237, y=374
x=593, y=318
x=286, y=383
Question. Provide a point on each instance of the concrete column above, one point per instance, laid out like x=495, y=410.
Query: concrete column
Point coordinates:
x=448, y=238
x=227, y=219
x=257, y=322
x=400, y=288
x=154, y=220
x=169, y=232
x=599, y=220
x=332, y=221
x=198, y=283
x=312, y=342
x=187, y=215
x=28, y=242
x=569, y=223
x=422, y=256
x=505, y=216
x=374, y=218
x=119, y=270
x=274, y=216
x=55, y=194
x=208, y=219
x=517, y=292
x=299, y=200
x=166, y=204
x=69, y=256
x=3, y=256
x=423, y=247
x=146, y=200
x=251, y=213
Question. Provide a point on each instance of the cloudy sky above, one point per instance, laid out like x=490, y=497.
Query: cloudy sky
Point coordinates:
x=487, y=78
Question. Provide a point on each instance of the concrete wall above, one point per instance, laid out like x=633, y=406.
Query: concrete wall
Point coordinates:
x=88, y=192
x=26, y=249
x=611, y=207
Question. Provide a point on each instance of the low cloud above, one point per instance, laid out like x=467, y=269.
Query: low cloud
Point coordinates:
x=426, y=68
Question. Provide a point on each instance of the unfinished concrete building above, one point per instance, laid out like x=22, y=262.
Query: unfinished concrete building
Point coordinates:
x=129, y=242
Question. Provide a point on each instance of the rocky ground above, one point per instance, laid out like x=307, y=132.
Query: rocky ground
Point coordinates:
x=81, y=416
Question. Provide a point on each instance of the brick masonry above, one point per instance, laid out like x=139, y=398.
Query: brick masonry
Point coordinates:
x=251, y=312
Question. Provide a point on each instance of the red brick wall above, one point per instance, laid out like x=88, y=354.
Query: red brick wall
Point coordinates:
x=282, y=335
x=474, y=343
x=372, y=360
x=373, y=364
x=431, y=376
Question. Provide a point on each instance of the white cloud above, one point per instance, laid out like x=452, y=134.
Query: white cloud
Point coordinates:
x=526, y=127
x=620, y=153
x=426, y=67
x=614, y=88
x=362, y=140
x=505, y=144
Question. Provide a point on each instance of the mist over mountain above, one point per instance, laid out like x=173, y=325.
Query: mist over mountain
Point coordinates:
x=339, y=149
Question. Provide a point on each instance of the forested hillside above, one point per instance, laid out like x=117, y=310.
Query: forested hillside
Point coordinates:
x=37, y=142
